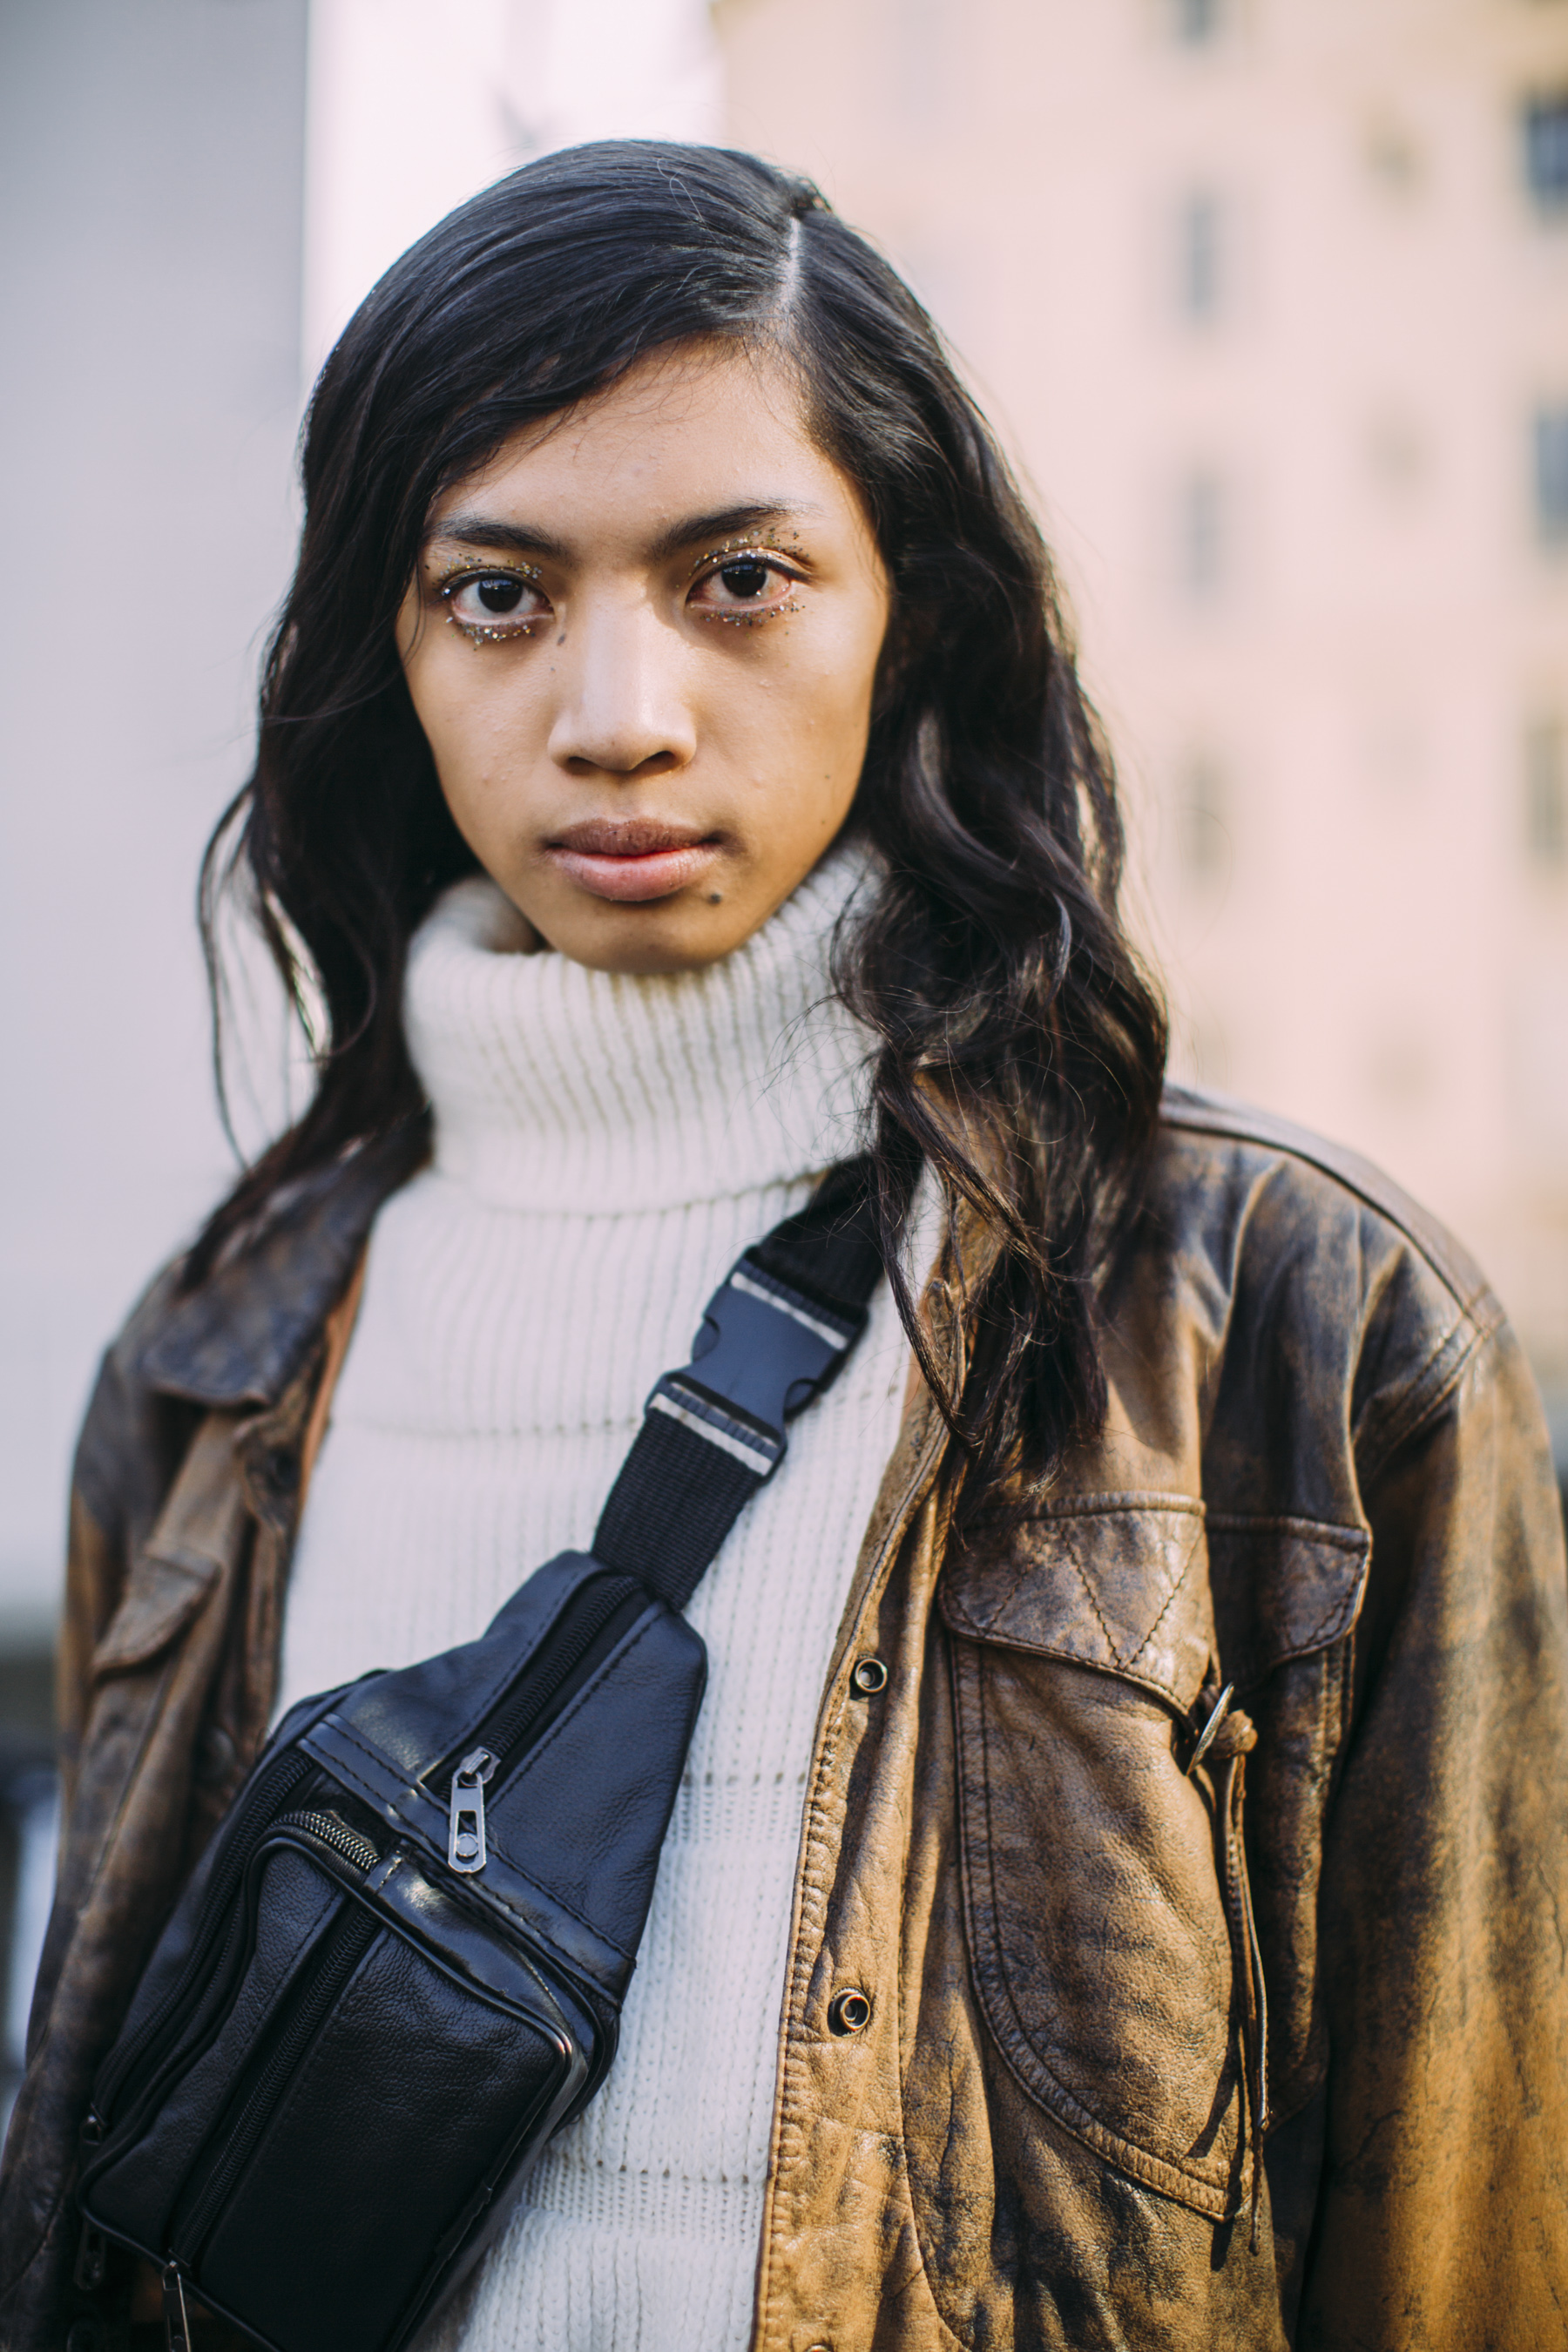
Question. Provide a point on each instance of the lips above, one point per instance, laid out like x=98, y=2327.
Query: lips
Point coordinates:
x=628, y=859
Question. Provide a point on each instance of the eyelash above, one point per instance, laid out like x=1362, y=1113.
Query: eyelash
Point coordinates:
x=718, y=559
x=707, y=567
x=465, y=575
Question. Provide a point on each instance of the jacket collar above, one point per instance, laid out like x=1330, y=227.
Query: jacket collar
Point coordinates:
x=242, y=1335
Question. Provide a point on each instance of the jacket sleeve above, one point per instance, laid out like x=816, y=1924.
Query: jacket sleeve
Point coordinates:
x=130, y=1444
x=1441, y=2216
x=95, y=1576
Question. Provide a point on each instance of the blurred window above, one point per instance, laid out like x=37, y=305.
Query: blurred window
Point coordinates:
x=1202, y=835
x=1394, y=157
x=1201, y=287
x=1546, y=151
x=1546, y=792
x=1197, y=20
x=1202, y=523
x=1552, y=473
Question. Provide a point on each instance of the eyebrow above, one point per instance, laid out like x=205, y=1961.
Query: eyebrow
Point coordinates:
x=522, y=539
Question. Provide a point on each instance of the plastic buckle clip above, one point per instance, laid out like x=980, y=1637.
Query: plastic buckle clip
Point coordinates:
x=762, y=1353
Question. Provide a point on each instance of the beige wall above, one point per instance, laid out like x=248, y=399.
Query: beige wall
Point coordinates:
x=1325, y=743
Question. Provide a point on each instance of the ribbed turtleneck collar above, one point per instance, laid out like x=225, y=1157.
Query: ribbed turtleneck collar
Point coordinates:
x=556, y=1088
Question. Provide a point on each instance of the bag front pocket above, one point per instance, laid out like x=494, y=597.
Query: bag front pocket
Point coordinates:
x=346, y=2102
x=320, y=2212
x=1099, y=1943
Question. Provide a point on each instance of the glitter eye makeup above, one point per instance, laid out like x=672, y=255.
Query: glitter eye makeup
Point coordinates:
x=744, y=571
x=482, y=602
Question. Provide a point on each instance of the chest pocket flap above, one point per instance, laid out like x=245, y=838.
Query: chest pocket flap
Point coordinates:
x=1120, y=1584
x=200, y=1534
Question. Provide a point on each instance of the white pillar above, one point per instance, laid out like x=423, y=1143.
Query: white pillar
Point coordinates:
x=415, y=104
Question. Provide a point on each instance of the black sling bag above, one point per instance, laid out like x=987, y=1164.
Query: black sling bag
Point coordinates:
x=399, y=1967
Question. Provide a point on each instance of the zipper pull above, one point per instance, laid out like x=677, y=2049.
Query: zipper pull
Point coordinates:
x=466, y=1829
x=176, y=2319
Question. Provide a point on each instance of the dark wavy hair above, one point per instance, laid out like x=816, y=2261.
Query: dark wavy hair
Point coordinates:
x=1022, y=1044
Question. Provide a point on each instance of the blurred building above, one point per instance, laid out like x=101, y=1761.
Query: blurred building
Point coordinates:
x=1269, y=298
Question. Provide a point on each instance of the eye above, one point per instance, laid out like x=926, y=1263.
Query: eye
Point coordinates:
x=746, y=586
x=489, y=605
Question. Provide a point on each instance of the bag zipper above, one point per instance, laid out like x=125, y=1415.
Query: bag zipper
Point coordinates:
x=589, y=1627
x=271, y=1788
x=346, y=1946
x=331, y=1829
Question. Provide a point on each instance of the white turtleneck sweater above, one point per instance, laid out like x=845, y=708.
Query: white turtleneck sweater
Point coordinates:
x=606, y=1147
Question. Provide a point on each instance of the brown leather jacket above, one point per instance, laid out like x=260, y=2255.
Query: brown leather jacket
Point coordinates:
x=1324, y=1479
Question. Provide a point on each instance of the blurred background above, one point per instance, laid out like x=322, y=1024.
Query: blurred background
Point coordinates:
x=1269, y=300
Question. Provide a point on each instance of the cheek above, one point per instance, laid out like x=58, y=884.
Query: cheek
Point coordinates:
x=476, y=724
x=830, y=715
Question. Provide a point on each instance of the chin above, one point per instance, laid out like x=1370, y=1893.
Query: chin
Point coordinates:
x=647, y=944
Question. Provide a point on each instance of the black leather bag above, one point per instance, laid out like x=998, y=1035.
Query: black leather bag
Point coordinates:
x=399, y=1967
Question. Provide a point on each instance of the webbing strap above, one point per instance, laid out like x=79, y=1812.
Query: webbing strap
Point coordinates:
x=773, y=1336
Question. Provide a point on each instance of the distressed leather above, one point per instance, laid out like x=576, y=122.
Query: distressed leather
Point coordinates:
x=1322, y=1478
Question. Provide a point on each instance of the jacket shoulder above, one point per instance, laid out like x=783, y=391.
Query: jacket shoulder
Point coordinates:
x=1325, y=1304
x=1328, y=1178
x=236, y=1338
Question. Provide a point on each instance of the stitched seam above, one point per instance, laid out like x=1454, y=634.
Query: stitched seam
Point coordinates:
x=1125, y=1675
x=1420, y=1410
x=1355, y=1542
x=1331, y=1618
x=903, y=2176
x=622, y=1651
x=1320, y=1530
x=1113, y=1502
x=1007, y=1599
x=1093, y=1604
x=1169, y=1599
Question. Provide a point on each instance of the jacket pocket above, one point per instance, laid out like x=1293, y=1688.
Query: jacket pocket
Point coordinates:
x=161, y=1597
x=1102, y=1951
x=199, y=1535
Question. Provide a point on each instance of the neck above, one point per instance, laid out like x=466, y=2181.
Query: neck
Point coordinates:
x=555, y=1086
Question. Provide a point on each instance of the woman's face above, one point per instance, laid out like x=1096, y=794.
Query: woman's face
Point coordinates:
x=642, y=643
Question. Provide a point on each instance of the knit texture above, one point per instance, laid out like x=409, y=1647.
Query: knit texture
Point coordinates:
x=606, y=1147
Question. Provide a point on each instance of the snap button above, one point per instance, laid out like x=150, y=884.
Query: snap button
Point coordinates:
x=849, y=2012
x=870, y=1675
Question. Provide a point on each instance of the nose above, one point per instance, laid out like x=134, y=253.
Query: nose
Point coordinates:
x=622, y=709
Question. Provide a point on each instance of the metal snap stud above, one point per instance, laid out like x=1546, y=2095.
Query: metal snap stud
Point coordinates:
x=870, y=1675
x=849, y=2012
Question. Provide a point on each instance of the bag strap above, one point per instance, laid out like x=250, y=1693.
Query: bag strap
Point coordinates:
x=773, y=1335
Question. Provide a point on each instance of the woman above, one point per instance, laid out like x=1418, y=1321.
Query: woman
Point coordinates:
x=672, y=774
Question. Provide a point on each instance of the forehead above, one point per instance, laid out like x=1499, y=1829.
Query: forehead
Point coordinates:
x=690, y=431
